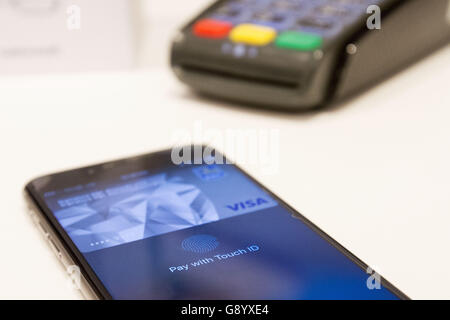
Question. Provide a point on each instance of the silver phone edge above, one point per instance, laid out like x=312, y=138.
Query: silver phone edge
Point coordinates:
x=57, y=247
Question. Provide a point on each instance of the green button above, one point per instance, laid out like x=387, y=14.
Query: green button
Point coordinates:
x=298, y=41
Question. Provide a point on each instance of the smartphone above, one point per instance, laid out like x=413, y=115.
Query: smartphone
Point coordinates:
x=154, y=227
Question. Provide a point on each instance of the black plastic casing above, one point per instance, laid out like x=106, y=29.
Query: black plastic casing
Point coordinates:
x=295, y=80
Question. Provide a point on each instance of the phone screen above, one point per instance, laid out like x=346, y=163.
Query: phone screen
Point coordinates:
x=201, y=232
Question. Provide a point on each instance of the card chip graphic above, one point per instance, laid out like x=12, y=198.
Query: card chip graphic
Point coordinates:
x=208, y=173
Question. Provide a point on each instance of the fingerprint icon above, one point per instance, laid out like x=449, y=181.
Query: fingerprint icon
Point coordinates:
x=200, y=243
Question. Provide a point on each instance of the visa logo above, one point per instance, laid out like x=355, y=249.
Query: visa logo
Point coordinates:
x=247, y=204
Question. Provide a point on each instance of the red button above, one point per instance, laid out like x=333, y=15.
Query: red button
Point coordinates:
x=209, y=28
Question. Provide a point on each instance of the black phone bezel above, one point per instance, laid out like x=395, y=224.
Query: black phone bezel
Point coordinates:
x=159, y=160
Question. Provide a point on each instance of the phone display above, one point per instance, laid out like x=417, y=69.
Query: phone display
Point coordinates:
x=149, y=229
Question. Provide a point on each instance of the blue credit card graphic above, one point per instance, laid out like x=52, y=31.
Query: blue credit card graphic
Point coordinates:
x=158, y=204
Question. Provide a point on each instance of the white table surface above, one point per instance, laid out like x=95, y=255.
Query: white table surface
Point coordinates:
x=373, y=173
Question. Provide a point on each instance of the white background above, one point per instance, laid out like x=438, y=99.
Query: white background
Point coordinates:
x=373, y=173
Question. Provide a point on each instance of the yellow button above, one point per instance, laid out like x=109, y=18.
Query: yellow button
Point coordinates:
x=253, y=34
